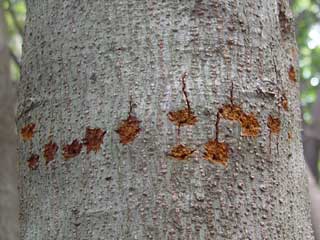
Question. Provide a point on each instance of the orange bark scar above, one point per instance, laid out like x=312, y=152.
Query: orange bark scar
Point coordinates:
x=50, y=150
x=284, y=102
x=33, y=162
x=93, y=139
x=231, y=112
x=217, y=152
x=292, y=74
x=181, y=152
x=274, y=124
x=289, y=136
x=182, y=117
x=27, y=131
x=128, y=129
x=72, y=150
x=249, y=125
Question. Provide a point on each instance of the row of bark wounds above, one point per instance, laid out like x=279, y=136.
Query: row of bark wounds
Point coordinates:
x=93, y=140
x=180, y=118
x=250, y=126
x=218, y=152
x=129, y=129
x=27, y=133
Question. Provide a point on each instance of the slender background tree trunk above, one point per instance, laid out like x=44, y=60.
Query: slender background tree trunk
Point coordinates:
x=8, y=145
x=188, y=113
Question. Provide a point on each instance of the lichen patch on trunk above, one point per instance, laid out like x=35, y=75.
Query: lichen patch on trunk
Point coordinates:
x=128, y=129
x=33, y=162
x=27, y=131
x=217, y=152
x=50, y=150
x=72, y=150
x=181, y=152
x=93, y=139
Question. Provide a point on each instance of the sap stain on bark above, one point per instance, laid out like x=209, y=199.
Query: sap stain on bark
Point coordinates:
x=184, y=116
x=50, y=150
x=274, y=124
x=33, y=162
x=93, y=139
x=292, y=74
x=217, y=152
x=72, y=150
x=129, y=128
x=181, y=152
x=27, y=131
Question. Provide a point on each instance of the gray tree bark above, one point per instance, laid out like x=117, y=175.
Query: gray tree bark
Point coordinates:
x=8, y=145
x=315, y=210
x=161, y=120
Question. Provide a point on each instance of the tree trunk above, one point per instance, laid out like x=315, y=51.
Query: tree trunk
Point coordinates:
x=315, y=209
x=161, y=120
x=8, y=144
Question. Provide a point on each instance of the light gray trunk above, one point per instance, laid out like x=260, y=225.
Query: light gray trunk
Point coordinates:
x=94, y=64
x=8, y=145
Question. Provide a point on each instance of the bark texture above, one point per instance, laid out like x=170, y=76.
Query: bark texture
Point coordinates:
x=8, y=145
x=188, y=113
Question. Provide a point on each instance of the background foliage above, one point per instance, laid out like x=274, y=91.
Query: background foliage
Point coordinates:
x=15, y=12
x=307, y=16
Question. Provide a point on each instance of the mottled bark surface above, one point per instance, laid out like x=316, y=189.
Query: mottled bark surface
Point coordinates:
x=207, y=91
x=8, y=145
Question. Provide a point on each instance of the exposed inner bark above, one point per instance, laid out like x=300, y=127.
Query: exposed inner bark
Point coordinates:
x=27, y=131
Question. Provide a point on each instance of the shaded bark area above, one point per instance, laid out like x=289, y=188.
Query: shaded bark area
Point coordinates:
x=315, y=210
x=311, y=146
x=311, y=140
x=94, y=64
x=8, y=144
